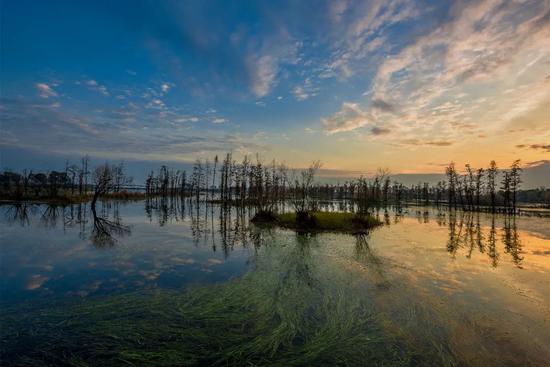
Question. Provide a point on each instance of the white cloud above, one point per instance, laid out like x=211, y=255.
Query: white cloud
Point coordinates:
x=218, y=120
x=351, y=116
x=263, y=72
x=188, y=119
x=264, y=65
x=305, y=91
x=430, y=87
x=337, y=9
x=362, y=34
x=300, y=94
x=45, y=91
x=94, y=85
x=156, y=103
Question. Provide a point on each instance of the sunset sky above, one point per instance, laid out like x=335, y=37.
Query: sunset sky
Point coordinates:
x=407, y=85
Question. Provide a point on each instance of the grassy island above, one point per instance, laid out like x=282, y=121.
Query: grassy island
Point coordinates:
x=320, y=221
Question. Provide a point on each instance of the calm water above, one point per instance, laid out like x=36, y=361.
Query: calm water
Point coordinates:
x=175, y=284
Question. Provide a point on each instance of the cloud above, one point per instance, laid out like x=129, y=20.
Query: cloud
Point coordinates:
x=263, y=65
x=218, y=120
x=187, y=119
x=155, y=103
x=45, y=91
x=480, y=40
x=94, y=85
x=121, y=133
x=165, y=87
x=447, y=83
x=545, y=147
x=300, y=94
x=337, y=9
x=305, y=91
x=262, y=74
x=539, y=163
x=383, y=106
x=379, y=131
x=350, y=117
x=437, y=143
x=360, y=32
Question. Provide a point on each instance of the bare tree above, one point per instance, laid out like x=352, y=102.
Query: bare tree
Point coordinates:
x=303, y=202
x=450, y=171
x=515, y=181
x=492, y=172
x=103, y=181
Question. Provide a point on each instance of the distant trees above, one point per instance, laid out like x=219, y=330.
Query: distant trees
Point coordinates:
x=263, y=185
x=266, y=185
x=477, y=188
x=58, y=184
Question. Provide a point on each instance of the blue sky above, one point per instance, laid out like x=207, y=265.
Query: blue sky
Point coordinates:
x=404, y=84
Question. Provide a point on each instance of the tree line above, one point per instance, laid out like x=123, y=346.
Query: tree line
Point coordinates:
x=251, y=181
x=75, y=181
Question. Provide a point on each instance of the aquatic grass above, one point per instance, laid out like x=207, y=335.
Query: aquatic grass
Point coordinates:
x=209, y=326
x=294, y=309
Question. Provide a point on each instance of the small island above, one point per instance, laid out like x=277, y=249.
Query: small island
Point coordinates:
x=320, y=221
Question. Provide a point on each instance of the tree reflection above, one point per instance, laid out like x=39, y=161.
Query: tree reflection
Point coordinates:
x=223, y=228
x=453, y=241
x=491, y=244
x=365, y=255
x=511, y=241
x=19, y=213
x=466, y=231
x=105, y=231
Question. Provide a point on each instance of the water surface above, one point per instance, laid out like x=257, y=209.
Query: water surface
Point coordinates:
x=169, y=283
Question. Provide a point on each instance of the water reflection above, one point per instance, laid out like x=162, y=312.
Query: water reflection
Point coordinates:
x=106, y=226
x=105, y=231
x=465, y=231
x=364, y=254
x=19, y=213
x=282, y=288
x=223, y=228
x=510, y=238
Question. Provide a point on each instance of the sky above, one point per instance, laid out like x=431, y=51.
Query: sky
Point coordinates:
x=404, y=85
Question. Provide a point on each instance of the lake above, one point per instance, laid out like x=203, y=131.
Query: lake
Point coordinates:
x=171, y=283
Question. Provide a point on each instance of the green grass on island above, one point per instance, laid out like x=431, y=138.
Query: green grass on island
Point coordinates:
x=321, y=221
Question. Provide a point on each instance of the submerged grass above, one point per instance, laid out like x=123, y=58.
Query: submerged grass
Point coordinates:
x=292, y=310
